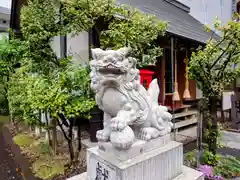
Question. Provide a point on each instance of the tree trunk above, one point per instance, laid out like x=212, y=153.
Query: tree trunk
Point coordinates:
x=209, y=123
x=79, y=142
x=30, y=129
x=68, y=137
x=204, y=111
x=70, y=146
x=37, y=131
x=212, y=145
x=54, y=136
x=15, y=123
x=48, y=131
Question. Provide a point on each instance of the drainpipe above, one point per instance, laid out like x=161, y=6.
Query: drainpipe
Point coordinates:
x=63, y=46
x=63, y=39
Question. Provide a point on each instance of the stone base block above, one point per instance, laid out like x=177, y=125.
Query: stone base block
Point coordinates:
x=158, y=159
x=162, y=163
x=187, y=174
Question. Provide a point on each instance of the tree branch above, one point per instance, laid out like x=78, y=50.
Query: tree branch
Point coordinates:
x=204, y=73
x=223, y=52
x=64, y=133
x=220, y=42
x=211, y=36
x=226, y=63
x=63, y=119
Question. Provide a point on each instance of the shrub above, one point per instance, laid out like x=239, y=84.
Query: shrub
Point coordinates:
x=191, y=158
x=209, y=158
x=44, y=148
x=47, y=168
x=228, y=167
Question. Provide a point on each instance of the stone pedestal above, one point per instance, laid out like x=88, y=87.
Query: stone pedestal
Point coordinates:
x=158, y=159
x=161, y=163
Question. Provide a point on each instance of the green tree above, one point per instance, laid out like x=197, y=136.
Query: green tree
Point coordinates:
x=11, y=51
x=63, y=94
x=135, y=29
x=39, y=25
x=214, y=66
x=46, y=83
x=118, y=26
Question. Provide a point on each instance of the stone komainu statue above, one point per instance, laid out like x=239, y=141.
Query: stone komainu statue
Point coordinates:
x=130, y=111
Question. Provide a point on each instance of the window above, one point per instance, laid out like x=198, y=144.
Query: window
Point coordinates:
x=168, y=71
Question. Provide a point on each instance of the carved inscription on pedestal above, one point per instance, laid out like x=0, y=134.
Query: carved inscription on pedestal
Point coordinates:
x=101, y=171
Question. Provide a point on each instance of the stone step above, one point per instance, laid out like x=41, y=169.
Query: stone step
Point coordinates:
x=177, y=108
x=186, y=135
x=190, y=174
x=184, y=123
x=184, y=114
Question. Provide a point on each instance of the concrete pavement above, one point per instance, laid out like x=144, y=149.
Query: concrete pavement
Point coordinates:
x=231, y=139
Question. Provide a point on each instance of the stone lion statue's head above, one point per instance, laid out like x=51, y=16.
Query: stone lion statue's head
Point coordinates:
x=113, y=65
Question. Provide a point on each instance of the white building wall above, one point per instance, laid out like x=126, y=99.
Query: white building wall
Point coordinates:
x=77, y=47
x=3, y=34
x=55, y=44
x=206, y=11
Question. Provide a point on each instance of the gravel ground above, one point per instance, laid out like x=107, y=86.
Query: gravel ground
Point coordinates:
x=7, y=166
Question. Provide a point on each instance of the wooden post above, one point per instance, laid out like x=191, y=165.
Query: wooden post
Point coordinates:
x=234, y=111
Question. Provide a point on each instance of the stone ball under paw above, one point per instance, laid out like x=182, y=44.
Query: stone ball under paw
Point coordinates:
x=122, y=139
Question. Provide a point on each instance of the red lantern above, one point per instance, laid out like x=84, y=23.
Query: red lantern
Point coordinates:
x=146, y=77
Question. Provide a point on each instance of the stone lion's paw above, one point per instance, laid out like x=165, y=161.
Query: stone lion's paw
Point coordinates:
x=102, y=135
x=148, y=133
x=118, y=124
x=167, y=116
x=122, y=139
x=163, y=108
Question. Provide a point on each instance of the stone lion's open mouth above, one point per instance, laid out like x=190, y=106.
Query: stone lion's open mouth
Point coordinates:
x=111, y=70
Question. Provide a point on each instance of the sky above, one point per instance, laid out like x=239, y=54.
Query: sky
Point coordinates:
x=5, y=3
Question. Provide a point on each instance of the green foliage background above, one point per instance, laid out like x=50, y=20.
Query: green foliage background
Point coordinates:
x=215, y=66
x=43, y=81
